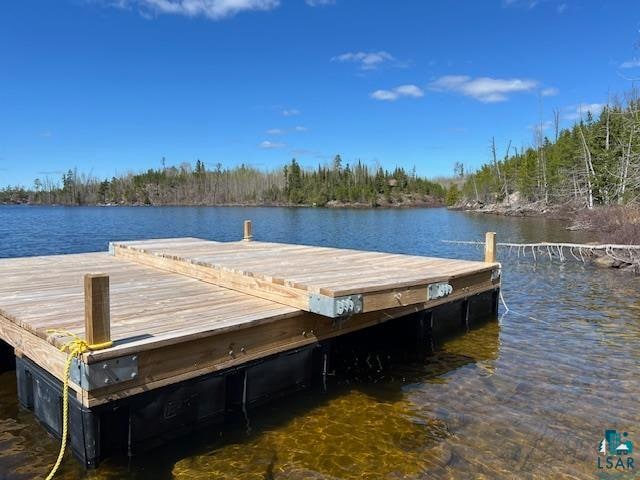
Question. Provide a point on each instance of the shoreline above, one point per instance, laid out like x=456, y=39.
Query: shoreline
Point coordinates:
x=332, y=205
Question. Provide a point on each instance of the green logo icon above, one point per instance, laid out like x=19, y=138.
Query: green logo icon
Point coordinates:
x=615, y=443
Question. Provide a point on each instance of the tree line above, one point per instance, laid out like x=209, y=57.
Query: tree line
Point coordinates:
x=594, y=162
x=197, y=184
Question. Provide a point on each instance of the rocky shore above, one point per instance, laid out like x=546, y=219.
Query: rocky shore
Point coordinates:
x=518, y=209
x=618, y=225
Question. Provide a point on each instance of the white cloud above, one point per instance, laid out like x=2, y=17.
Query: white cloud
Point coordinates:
x=576, y=112
x=300, y=128
x=633, y=63
x=384, y=95
x=211, y=9
x=484, y=89
x=290, y=112
x=398, y=92
x=549, y=92
x=267, y=144
x=275, y=131
x=561, y=8
x=319, y=3
x=366, y=60
x=409, y=91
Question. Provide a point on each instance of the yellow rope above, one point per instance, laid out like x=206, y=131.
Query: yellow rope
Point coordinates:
x=75, y=347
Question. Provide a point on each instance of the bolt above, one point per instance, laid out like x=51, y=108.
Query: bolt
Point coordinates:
x=106, y=380
x=134, y=358
x=243, y=350
x=134, y=374
x=231, y=353
x=105, y=366
x=304, y=333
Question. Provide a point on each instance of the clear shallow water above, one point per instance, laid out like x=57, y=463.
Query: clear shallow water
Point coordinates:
x=529, y=397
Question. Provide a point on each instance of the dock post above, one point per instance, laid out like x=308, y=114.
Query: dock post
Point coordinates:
x=248, y=231
x=97, y=321
x=490, y=247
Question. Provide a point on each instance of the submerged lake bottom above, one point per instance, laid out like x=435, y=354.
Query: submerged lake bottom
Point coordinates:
x=529, y=395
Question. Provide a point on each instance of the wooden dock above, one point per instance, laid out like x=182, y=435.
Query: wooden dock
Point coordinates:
x=190, y=310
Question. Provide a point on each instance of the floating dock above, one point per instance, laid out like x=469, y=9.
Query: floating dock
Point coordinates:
x=199, y=327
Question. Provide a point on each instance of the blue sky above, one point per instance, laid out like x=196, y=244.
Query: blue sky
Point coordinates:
x=110, y=86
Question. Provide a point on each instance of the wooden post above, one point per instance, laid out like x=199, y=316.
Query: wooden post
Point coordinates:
x=490, y=247
x=97, y=320
x=248, y=232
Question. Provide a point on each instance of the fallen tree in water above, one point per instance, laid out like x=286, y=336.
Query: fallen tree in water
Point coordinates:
x=619, y=256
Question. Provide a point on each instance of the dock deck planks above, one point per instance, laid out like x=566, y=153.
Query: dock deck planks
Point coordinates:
x=296, y=275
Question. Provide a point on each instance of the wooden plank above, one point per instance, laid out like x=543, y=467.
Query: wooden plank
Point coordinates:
x=241, y=283
x=401, y=297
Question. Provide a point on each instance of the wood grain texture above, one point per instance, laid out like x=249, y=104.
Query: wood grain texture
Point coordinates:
x=97, y=320
x=291, y=274
x=490, y=247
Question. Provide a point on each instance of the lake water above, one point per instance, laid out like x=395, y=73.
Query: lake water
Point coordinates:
x=526, y=397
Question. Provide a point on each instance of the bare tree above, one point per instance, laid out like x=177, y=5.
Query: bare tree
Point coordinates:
x=502, y=181
x=556, y=123
x=589, y=172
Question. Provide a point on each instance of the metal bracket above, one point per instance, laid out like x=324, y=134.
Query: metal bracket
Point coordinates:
x=496, y=274
x=438, y=290
x=335, y=306
x=102, y=374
